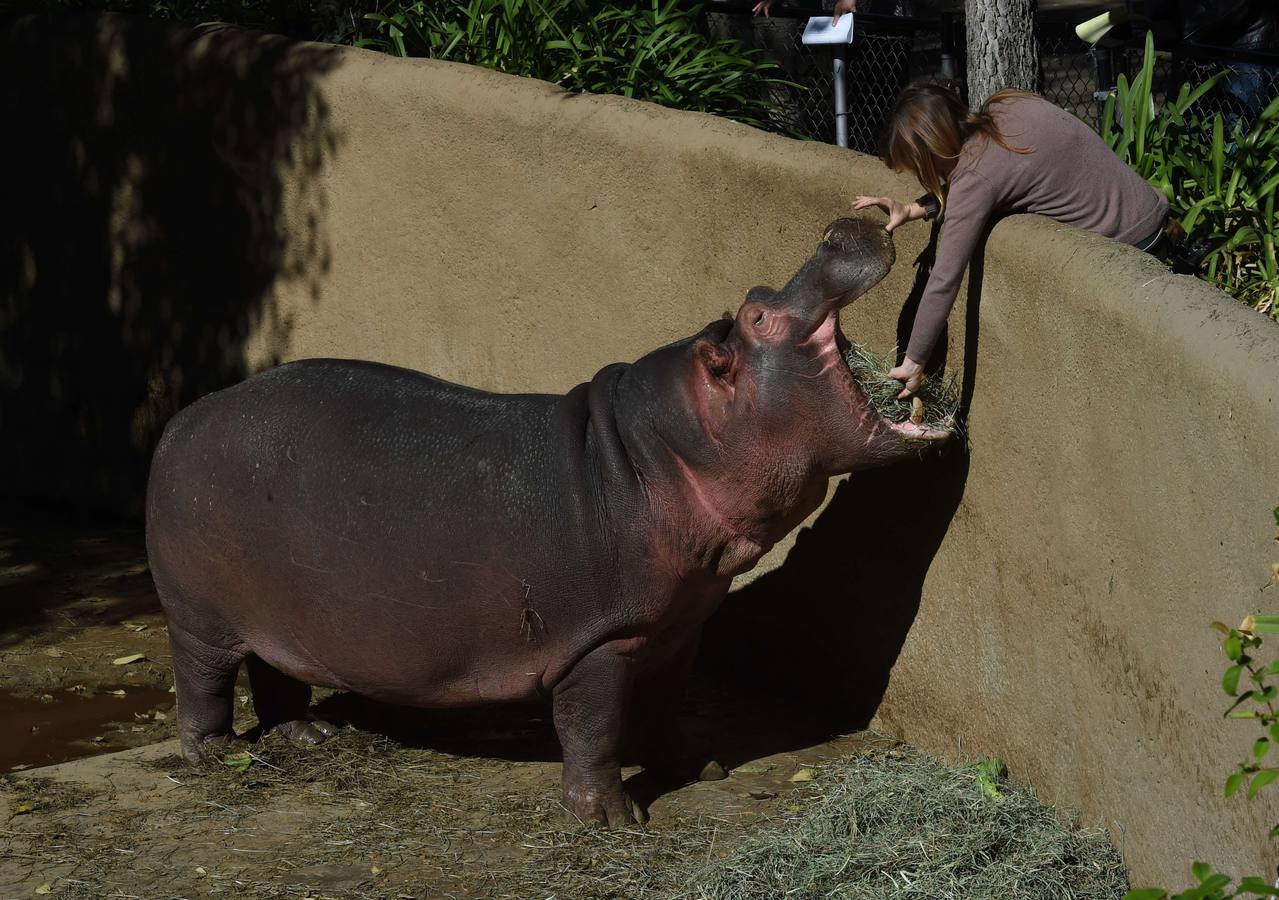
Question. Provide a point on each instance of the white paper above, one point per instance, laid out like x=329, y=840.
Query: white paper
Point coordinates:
x=820, y=31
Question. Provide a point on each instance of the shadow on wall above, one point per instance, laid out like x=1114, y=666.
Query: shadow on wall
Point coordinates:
x=822, y=632
x=157, y=186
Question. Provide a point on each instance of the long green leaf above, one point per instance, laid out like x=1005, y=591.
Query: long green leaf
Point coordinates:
x=1217, y=154
x=1144, y=94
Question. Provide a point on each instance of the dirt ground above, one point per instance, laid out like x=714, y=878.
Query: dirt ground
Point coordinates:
x=397, y=805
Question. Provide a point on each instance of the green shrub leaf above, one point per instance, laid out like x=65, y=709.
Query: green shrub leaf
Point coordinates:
x=1262, y=778
x=1258, y=886
x=1233, y=782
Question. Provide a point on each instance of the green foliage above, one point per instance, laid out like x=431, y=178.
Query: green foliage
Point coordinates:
x=1218, y=183
x=1256, y=702
x=649, y=50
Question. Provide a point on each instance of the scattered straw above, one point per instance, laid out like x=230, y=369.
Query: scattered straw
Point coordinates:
x=901, y=826
x=939, y=394
x=363, y=816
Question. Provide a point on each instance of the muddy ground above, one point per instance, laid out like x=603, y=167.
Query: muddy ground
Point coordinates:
x=398, y=805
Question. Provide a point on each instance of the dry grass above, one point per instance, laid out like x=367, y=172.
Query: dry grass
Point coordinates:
x=939, y=393
x=887, y=824
x=483, y=837
x=901, y=826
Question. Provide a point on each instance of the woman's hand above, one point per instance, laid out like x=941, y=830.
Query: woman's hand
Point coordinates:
x=843, y=6
x=911, y=374
x=898, y=213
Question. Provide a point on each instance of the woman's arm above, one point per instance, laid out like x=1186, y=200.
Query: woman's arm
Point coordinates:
x=969, y=205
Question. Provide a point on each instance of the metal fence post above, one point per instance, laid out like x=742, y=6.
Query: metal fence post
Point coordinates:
x=839, y=68
x=948, y=64
x=1103, y=64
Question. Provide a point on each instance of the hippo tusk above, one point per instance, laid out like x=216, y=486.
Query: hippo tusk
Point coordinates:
x=917, y=410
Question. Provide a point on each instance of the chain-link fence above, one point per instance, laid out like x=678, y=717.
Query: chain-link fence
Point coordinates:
x=1078, y=77
x=887, y=53
x=890, y=51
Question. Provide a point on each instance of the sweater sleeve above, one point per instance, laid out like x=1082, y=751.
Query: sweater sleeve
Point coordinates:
x=969, y=203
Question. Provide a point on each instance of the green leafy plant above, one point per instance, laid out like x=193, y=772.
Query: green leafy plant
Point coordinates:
x=1219, y=184
x=1251, y=682
x=651, y=50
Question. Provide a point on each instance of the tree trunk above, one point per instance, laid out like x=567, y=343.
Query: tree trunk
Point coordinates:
x=1002, y=49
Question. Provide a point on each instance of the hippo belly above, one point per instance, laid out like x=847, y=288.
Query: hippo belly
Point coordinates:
x=373, y=529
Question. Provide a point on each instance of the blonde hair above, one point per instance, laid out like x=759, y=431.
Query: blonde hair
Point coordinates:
x=930, y=123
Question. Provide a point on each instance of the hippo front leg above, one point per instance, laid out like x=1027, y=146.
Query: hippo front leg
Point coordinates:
x=589, y=712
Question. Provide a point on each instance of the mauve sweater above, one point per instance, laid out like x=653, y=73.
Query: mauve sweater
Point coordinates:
x=1070, y=176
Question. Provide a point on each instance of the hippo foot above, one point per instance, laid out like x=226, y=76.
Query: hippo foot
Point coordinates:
x=215, y=746
x=614, y=808
x=306, y=731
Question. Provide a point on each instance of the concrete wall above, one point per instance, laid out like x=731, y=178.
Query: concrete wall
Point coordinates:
x=205, y=204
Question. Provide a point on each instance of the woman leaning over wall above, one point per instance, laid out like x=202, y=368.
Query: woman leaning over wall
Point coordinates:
x=1018, y=153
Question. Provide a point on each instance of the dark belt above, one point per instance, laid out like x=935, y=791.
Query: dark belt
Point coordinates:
x=1150, y=243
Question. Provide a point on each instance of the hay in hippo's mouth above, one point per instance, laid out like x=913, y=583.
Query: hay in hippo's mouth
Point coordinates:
x=939, y=393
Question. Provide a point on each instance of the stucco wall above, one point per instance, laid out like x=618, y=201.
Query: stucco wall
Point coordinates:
x=1048, y=591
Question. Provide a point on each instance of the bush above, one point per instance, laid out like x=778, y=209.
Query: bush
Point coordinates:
x=1222, y=185
x=649, y=51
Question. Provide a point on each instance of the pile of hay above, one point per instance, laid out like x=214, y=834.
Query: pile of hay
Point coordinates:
x=900, y=826
x=939, y=393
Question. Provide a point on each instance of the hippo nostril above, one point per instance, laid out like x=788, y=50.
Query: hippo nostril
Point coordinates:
x=759, y=317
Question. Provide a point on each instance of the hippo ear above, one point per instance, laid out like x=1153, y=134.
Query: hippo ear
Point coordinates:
x=713, y=358
x=714, y=383
x=760, y=293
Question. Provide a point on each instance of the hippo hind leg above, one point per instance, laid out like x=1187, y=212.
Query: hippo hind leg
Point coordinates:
x=204, y=682
x=281, y=702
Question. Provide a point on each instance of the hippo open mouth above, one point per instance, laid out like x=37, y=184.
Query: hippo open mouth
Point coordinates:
x=855, y=256
x=927, y=417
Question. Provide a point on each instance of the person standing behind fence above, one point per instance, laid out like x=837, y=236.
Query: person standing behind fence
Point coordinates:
x=1019, y=153
x=764, y=7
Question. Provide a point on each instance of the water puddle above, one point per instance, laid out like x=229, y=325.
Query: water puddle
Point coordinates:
x=65, y=725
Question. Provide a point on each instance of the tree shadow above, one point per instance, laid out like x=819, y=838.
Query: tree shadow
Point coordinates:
x=57, y=576
x=162, y=184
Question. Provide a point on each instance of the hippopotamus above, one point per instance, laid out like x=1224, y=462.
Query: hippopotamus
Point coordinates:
x=373, y=529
